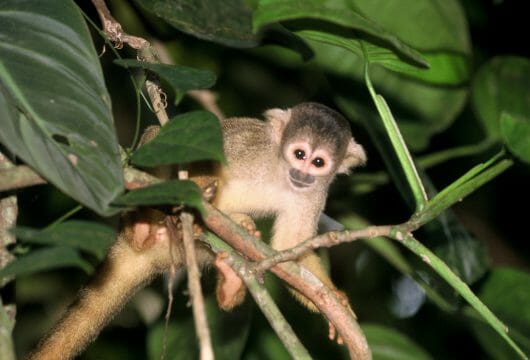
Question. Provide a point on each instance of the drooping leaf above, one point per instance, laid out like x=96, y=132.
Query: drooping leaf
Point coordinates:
x=45, y=259
x=516, y=133
x=389, y=344
x=228, y=330
x=63, y=124
x=226, y=22
x=174, y=192
x=88, y=236
x=180, y=78
x=501, y=85
x=421, y=102
x=507, y=293
x=337, y=13
x=189, y=137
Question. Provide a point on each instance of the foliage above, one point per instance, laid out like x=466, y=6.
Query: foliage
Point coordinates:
x=431, y=105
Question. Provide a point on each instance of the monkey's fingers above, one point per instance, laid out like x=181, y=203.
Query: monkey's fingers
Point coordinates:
x=332, y=334
x=246, y=223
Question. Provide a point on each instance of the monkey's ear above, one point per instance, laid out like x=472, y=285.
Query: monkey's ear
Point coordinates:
x=355, y=156
x=277, y=118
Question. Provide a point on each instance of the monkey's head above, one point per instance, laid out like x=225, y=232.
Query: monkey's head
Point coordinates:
x=316, y=144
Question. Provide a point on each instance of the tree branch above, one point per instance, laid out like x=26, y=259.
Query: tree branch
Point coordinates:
x=297, y=277
x=261, y=296
x=325, y=240
x=17, y=177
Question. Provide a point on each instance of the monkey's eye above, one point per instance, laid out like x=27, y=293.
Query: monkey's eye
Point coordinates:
x=318, y=162
x=300, y=154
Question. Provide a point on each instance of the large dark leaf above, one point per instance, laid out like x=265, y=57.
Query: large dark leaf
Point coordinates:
x=421, y=102
x=335, y=12
x=227, y=22
x=180, y=78
x=186, y=138
x=62, y=126
x=45, y=259
x=91, y=237
x=174, y=192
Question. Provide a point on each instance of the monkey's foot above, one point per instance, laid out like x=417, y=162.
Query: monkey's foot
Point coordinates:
x=246, y=223
x=230, y=288
x=343, y=299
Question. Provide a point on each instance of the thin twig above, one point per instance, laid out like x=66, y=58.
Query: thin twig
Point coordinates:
x=325, y=240
x=194, y=286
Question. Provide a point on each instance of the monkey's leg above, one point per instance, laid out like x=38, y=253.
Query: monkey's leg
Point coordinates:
x=124, y=271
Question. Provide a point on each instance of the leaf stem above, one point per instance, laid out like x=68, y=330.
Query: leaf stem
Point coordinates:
x=398, y=143
x=456, y=283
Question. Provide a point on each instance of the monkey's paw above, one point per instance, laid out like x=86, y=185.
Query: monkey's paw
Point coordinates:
x=246, y=223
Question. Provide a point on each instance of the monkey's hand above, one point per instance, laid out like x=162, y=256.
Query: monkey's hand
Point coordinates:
x=246, y=223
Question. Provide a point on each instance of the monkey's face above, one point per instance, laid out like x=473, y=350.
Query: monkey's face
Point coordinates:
x=308, y=166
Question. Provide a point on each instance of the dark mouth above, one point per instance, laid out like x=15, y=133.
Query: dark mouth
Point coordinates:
x=298, y=184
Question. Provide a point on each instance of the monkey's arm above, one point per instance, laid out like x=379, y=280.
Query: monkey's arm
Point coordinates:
x=288, y=232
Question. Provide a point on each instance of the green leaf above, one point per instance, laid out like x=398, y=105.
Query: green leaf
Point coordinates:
x=45, y=259
x=516, y=134
x=174, y=192
x=63, y=124
x=88, y=236
x=464, y=254
x=229, y=332
x=180, y=78
x=501, y=85
x=336, y=13
x=389, y=344
x=193, y=136
x=421, y=102
x=507, y=293
x=226, y=22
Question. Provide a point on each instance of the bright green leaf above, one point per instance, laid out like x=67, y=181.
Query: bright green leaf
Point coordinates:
x=174, y=192
x=226, y=22
x=501, y=85
x=389, y=344
x=193, y=136
x=507, y=293
x=516, y=134
x=91, y=237
x=63, y=124
x=45, y=259
x=180, y=78
x=336, y=13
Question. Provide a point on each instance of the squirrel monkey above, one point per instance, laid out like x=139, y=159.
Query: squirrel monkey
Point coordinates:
x=280, y=167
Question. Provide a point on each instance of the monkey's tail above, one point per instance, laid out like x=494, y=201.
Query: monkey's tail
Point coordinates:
x=122, y=273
